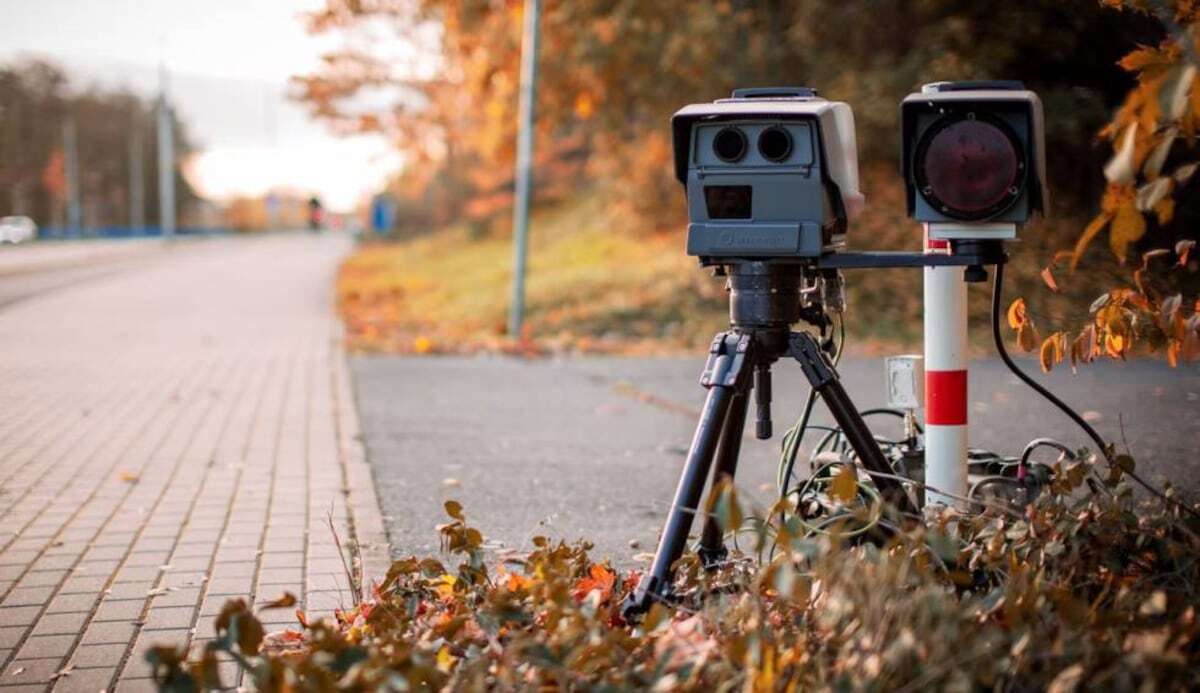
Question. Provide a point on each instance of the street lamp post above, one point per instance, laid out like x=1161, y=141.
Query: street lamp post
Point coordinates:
x=524, y=165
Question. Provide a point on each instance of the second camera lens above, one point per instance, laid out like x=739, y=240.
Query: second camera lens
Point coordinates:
x=729, y=144
x=775, y=144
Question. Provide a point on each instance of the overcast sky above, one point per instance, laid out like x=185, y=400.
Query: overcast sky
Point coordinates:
x=228, y=64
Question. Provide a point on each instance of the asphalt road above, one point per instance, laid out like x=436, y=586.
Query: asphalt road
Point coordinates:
x=592, y=447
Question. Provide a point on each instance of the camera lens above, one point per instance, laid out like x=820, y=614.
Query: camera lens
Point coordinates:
x=730, y=144
x=969, y=168
x=775, y=144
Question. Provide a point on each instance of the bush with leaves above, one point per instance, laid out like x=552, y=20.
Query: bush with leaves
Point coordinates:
x=1148, y=209
x=1082, y=589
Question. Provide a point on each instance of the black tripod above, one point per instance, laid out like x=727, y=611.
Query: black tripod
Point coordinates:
x=765, y=300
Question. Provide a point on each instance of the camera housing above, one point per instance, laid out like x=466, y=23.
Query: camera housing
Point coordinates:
x=770, y=174
x=973, y=158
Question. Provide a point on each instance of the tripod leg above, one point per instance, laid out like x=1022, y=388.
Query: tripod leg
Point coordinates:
x=712, y=548
x=826, y=383
x=722, y=377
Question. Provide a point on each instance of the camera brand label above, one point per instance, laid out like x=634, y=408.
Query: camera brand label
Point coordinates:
x=757, y=239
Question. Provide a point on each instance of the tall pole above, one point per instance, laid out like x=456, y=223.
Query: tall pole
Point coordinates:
x=137, y=178
x=71, y=164
x=524, y=166
x=166, y=169
x=945, y=378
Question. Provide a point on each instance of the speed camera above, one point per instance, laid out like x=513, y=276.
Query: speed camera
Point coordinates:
x=770, y=173
x=973, y=158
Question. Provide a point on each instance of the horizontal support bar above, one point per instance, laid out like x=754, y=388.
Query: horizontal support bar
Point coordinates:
x=892, y=258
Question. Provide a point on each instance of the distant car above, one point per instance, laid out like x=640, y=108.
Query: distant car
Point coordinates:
x=17, y=230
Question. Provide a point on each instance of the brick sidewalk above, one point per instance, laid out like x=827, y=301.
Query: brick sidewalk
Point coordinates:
x=171, y=437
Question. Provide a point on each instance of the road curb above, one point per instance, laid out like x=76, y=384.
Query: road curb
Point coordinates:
x=359, y=483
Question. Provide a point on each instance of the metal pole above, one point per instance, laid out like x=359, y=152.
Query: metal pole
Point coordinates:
x=524, y=166
x=71, y=164
x=137, y=179
x=945, y=377
x=166, y=169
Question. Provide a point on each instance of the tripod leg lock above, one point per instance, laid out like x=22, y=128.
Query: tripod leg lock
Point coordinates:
x=812, y=360
x=727, y=372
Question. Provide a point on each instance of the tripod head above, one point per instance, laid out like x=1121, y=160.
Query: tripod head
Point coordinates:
x=766, y=299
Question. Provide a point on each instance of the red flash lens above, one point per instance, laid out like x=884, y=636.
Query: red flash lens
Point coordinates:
x=969, y=168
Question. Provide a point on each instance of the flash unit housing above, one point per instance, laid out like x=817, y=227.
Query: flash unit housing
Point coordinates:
x=973, y=154
x=770, y=174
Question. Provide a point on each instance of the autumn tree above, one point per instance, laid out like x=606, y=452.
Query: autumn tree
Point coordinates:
x=1148, y=210
x=36, y=99
x=439, y=77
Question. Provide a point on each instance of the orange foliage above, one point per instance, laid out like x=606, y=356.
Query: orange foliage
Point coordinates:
x=1155, y=125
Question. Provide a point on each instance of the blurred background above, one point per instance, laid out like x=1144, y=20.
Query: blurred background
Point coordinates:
x=399, y=118
x=83, y=86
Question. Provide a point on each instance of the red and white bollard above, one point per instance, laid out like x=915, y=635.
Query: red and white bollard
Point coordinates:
x=945, y=378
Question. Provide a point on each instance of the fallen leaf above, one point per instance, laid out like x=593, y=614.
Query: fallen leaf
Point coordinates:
x=600, y=577
x=285, y=601
x=61, y=673
x=1048, y=278
x=1051, y=353
x=845, y=484
x=1016, y=314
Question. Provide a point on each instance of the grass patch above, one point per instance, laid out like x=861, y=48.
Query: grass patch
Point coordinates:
x=590, y=288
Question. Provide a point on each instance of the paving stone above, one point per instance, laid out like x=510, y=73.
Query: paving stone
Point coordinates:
x=85, y=680
x=108, y=632
x=21, y=671
x=83, y=583
x=231, y=586
x=130, y=590
x=28, y=596
x=10, y=636
x=183, y=596
x=42, y=578
x=125, y=609
x=45, y=646
x=18, y=615
x=107, y=656
x=169, y=618
x=60, y=624
x=68, y=603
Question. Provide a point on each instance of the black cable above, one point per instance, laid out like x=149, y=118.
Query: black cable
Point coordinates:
x=1000, y=348
x=1104, y=448
x=801, y=426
